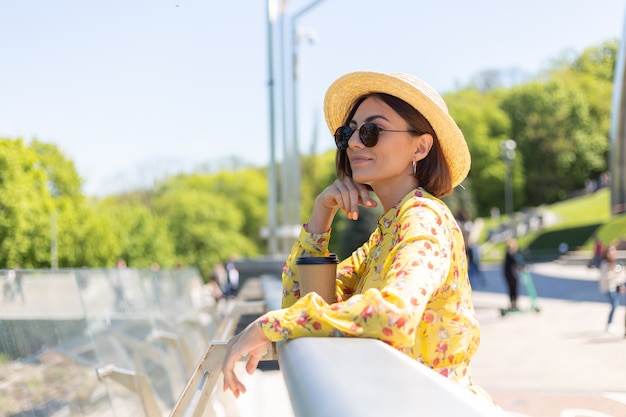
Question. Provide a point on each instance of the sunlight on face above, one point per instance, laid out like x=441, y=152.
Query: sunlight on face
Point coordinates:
x=390, y=162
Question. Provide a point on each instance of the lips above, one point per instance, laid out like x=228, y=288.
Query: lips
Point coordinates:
x=358, y=159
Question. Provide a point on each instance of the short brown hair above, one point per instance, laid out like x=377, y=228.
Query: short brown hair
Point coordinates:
x=433, y=173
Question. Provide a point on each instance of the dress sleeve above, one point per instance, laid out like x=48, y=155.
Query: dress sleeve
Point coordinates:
x=406, y=277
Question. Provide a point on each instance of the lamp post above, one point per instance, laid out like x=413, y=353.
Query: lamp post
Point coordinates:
x=508, y=154
x=296, y=36
x=287, y=169
x=272, y=223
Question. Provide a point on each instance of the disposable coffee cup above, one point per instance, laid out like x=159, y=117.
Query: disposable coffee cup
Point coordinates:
x=318, y=274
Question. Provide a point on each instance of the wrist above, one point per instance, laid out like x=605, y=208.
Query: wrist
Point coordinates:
x=321, y=218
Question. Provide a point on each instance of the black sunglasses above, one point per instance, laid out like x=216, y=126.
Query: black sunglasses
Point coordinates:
x=368, y=133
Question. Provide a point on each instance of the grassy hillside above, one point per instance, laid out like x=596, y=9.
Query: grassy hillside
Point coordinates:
x=573, y=222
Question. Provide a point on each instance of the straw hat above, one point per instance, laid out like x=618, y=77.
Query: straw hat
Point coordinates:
x=344, y=91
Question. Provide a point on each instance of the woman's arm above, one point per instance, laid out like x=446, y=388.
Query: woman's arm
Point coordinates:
x=346, y=195
x=409, y=274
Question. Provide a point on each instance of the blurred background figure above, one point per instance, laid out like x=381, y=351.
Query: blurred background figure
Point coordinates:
x=219, y=281
x=233, y=276
x=117, y=283
x=476, y=277
x=8, y=290
x=155, y=269
x=611, y=282
x=513, y=263
x=594, y=262
x=19, y=290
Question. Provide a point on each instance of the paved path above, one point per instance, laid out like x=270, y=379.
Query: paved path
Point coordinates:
x=556, y=363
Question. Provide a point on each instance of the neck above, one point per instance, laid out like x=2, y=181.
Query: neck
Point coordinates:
x=389, y=196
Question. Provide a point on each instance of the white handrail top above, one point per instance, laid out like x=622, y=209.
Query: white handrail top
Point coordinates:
x=366, y=377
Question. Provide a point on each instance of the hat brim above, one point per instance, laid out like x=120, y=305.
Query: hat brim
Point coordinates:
x=342, y=94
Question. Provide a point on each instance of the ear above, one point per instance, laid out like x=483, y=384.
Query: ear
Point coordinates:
x=423, y=144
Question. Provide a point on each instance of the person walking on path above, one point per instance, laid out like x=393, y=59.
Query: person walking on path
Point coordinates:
x=513, y=263
x=611, y=282
x=598, y=250
x=407, y=285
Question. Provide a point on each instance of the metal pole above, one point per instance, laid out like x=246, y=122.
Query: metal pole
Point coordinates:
x=617, y=149
x=508, y=203
x=272, y=243
x=54, y=238
x=508, y=153
x=295, y=219
x=285, y=182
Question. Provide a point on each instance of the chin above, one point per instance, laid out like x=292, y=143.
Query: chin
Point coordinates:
x=360, y=178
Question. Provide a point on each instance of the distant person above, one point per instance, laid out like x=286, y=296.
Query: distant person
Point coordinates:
x=118, y=276
x=594, y=262
x=472, y=252
x=156, y=277
x=219, y=276
x=611, y=282
x=8, y=290
x=233, y=276
x=513, y=263
x=19, y=289
x=474, y=271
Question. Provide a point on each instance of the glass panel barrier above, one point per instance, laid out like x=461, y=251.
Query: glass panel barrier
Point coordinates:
x=100, y=342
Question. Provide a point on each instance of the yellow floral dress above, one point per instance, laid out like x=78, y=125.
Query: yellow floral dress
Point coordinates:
x=407, y=286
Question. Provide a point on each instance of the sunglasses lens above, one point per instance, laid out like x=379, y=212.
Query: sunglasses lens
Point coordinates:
x=342, y=136
x=368, y=133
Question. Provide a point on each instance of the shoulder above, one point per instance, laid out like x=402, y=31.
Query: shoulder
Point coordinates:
x=421, y=201
x=423, y=213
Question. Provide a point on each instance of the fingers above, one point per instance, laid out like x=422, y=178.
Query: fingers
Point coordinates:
x=252, y=364
x=349, y=195
x=231, y=382
x=251, y=341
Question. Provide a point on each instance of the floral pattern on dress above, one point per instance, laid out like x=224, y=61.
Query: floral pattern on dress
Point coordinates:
x=407, y=286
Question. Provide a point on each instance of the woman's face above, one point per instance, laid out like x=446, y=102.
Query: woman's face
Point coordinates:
x=611, y=252
x=389, y=163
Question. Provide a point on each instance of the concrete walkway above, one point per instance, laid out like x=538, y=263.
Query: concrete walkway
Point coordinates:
x=559, y=362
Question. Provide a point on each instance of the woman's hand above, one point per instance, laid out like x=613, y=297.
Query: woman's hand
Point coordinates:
x=251, y=341
x=343, y=194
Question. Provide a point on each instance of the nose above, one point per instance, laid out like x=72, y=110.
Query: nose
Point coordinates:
x=355, y=140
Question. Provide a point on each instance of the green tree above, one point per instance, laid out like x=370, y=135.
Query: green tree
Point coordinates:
x=206, y=226
x=97, y=245
x=556, y=141
x=25, y=207
x=68, y=203
x=247, y=189
x=484, y=126
x=594, y=71
x=141, y=237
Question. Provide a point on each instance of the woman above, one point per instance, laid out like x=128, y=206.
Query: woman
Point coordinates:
x=611, y=281
x=408, y=284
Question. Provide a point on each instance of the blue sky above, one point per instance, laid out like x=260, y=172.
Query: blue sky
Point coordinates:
x=132, y=90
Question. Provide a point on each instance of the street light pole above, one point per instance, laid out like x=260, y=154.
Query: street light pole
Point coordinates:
x=508, y=153
x=285, y=177
x=272, y=223
x=295, y=39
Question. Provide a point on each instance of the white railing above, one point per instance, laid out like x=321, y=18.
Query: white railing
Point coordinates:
x=339, y=376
